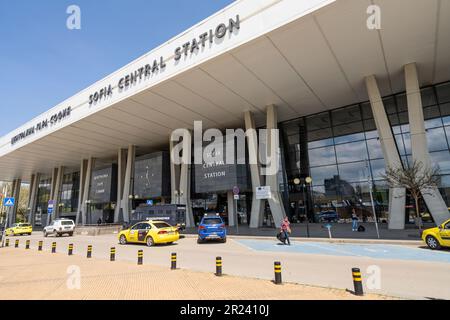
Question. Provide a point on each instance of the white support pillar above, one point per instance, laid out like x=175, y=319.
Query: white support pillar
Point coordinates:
x=34, y=188
x=419, y=145
x=121, y=169
x=231, y=209
x=275, y=202
x=390, y=152
x=86, y=189
x=83, y=171
x=257, y=210
x=57, y=192
x=128, y=187
x=181, y=177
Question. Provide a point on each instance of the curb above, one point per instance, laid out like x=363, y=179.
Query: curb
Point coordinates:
x=335, y=240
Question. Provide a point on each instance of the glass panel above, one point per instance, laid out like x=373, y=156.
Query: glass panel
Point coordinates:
x=433, y=123
x=351, y=152
x=353, y=172
x=322, y=156
x=436, y=139
x=405, y=128
x=441, y=160
x=346, y=115
x=402, y=103
x=366, y=109
x=322, y=175
x=446, y=121
x=350, y=138
x=324, y=197
x=407, y=141
x=375, y=151
x=431, y=112
x=403, y=117
x=389, y=105
x=318, y=121
x=378, y=168
x=400, y=144
x=447, y=130
x=295, y=139
x=445, y=109
x=443, y=92
x=428, y=97
x=350, y=128
x=320, y=134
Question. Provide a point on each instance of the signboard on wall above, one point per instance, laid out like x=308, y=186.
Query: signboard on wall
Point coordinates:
x=218, y=176
x=104, y=185
x=263, y=193
x=152, y=175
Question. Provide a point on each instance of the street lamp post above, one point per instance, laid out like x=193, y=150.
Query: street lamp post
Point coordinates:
x=297, y=182
x=369, y=180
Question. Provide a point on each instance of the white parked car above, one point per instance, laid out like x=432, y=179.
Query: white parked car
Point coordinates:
x=59, y=227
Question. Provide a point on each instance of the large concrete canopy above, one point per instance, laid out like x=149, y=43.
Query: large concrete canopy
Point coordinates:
x=305, y=56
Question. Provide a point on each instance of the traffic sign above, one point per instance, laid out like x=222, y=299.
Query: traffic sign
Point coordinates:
x=236, y=190
x=9, y=202
x=51, y=204
x=150, y=202
x=236, y=197
x=50, y=210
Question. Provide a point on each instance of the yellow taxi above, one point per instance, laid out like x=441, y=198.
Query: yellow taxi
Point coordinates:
x=438, y=237
x=19, y=229
x=150, y=232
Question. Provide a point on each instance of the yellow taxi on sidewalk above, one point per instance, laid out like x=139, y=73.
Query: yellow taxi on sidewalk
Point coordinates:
x=149, y=232
x=19, y=229
x=438, y=237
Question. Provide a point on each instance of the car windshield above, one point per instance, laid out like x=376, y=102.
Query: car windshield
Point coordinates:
x=212, y=221
x=25, y=225
x=161, y=225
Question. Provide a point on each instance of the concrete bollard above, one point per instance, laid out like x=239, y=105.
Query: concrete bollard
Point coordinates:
x=277, y=269
x=70, y=251
x=89, y=252
x=16, y=245
x=27, y=244
x=218, y=266
x=7, y=243
x=54, y=247
x=40, y=244
x=112, y=256
x=173, y=261
x=357, y=281
x=140, y=257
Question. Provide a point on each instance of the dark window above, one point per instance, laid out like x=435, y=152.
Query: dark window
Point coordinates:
x=210, y=221
x=322, y=156
x=428, y=97
x=161, y=225
x=346, y=115
x=443, y=92
x=318, y=121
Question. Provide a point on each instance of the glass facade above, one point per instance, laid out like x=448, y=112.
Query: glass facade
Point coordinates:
x=70, y=189
x=341, y=151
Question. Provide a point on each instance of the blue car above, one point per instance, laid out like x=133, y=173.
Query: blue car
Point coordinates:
x=212, y=227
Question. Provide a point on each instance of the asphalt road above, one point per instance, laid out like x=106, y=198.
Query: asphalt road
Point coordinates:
x=405, y=271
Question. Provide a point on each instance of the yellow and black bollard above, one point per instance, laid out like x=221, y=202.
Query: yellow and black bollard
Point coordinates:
x=357, y=281
x=70, y=252
x=54, y=247
x=16, y=245
x=218, y=266
x=140, y=256
x=7, y=243
x=173, y=261
x=89, y=251
x=40, y=245
x=277, y=269
x=112, y=256
x=27, y=244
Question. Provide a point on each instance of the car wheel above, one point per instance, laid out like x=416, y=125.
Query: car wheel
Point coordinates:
x=45, y=234
x=199, y=241
x=433, y=243
x=70, y=234
x=150, y=242
x=123, y=240
x=224, y=240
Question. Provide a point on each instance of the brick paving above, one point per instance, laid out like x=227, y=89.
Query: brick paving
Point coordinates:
x=29, y=274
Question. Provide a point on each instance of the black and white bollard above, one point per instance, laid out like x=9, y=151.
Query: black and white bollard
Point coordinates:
x=16, y=245
x=27, y=244
x=40, y=244
x=7, y=243
x=70, y=251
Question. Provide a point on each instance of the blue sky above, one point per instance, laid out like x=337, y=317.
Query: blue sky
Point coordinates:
x=43, y=63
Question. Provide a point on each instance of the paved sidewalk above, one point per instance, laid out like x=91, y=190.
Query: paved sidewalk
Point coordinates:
x=29, y=274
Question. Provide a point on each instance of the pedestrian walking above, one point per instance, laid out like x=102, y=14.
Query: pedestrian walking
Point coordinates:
x=354, y=220
x=99, y=221
x=286, y=229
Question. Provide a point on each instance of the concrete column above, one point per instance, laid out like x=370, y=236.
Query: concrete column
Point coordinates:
x=419, y=144
x=128, y=187
x=86, y=189
x=12, y=212
x=275, y=202
x=257, y=209
x=231, y=209
x=57, y=192
x=83, y=170
x=390, y=152
x=181, y=178
x=121, y=169
x=34, y=188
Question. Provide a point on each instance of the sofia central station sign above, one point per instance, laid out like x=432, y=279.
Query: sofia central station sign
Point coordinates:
x=159, y=64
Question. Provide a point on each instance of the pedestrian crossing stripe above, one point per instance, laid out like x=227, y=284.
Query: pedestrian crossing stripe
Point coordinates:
x=9, y=202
